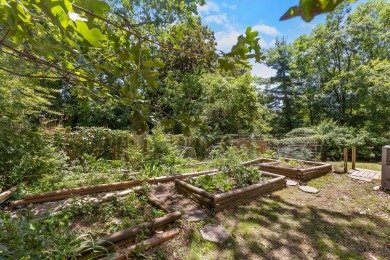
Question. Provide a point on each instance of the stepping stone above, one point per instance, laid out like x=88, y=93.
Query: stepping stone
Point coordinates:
x=195, y=215
x=214, y=233
x=291, y=183
x=360, y=178
x=377, y=188
x=309, y=189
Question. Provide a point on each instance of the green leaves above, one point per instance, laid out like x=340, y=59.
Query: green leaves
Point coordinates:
x=93, y=36
x=96, y=6
x=310, y=8
x=247, y=47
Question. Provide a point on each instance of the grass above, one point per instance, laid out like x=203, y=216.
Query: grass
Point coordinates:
x=362, y=165
x=346, y=220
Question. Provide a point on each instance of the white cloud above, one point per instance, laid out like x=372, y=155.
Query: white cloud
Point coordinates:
x=265, y=29
x=262, y=70
x=227, y=36
x=208, y=8
x=226, y=39
x=218, y=19
x=232, y=7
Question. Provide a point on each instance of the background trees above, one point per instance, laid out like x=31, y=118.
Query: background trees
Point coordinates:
x=332, y=70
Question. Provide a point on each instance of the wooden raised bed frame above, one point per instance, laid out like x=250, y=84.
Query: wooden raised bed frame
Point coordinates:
x=219, y=202
x=67, y=193
x=316, y=170
x=128, y=235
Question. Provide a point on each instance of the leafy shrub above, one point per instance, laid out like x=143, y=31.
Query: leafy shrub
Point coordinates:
x=236, y=177
x=245, y=176
x=332, y=138
x=161, y=151
x=228, y=156
x=25, y=154
x=212, y=183
x=95, y=141
x=25, y=238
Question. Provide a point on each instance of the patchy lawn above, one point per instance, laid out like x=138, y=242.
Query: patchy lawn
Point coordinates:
x=374, y=166
x=346, y=220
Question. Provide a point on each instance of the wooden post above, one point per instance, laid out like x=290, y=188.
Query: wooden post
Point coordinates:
x=345, y=160
x=353, y=158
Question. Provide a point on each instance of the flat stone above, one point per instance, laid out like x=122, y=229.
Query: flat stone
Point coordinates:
x=360, y=178
x=308, y=189
x=195, y=215
x=377, y=188
x=291, y=183
x=214, y=233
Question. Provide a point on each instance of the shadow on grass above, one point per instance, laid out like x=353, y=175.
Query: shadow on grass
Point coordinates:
x=280, y=230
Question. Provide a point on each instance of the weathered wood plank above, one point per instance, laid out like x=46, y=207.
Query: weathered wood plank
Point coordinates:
x=130, y=232
x=149, y=243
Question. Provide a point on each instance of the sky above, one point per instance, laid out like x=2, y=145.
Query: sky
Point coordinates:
x=230, y=18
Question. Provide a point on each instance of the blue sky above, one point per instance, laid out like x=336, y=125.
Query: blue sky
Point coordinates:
x=230, y=18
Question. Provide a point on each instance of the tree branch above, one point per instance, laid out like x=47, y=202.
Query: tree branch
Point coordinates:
x=37, y=60
x=135, y=34
x=30, y=76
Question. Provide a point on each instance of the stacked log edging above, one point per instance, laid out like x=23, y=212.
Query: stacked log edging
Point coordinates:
x=314, y=169
x=219, y=202
x=67, y=193
x=128, y=235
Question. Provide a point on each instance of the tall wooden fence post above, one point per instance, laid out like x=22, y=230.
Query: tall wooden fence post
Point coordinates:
x=353, y=158
x=345, y=160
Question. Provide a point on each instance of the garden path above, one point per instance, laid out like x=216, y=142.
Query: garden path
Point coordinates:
x=364, y=175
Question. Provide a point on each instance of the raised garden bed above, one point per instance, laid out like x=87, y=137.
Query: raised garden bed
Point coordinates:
x=296, y=169
x=224, y=190
x=67, y=193
x=117, y=223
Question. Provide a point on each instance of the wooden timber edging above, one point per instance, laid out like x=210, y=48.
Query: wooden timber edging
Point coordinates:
x=317, y=169
x=259, y=160
x=7, y=194
x=219, y=202
x=67, y=193
x=128, y=235
x=145, y=245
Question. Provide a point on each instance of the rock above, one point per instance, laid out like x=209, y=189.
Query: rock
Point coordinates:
x=309, y=189
x=291, y=183
x=195, y=215
x=377, y=188
x=214, y=233
x=360, y=178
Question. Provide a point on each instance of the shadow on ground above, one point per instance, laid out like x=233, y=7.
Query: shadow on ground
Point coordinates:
x=274, y=228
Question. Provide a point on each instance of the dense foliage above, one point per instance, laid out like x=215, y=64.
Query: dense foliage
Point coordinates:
x=338, y=73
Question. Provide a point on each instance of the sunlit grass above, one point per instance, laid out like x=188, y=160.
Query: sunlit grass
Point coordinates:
x=374, y=166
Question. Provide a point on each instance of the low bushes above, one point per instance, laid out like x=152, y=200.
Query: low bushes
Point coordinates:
x=23, y=238
x=332, y=138
x=94, y=141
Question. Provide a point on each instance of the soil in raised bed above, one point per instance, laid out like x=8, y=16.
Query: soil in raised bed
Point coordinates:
x=294, y=164
x=166, y=193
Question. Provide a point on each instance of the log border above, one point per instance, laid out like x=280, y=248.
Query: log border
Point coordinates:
x=269, y=165
x=219, y=202
x=128, y=235
x=67, y=193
